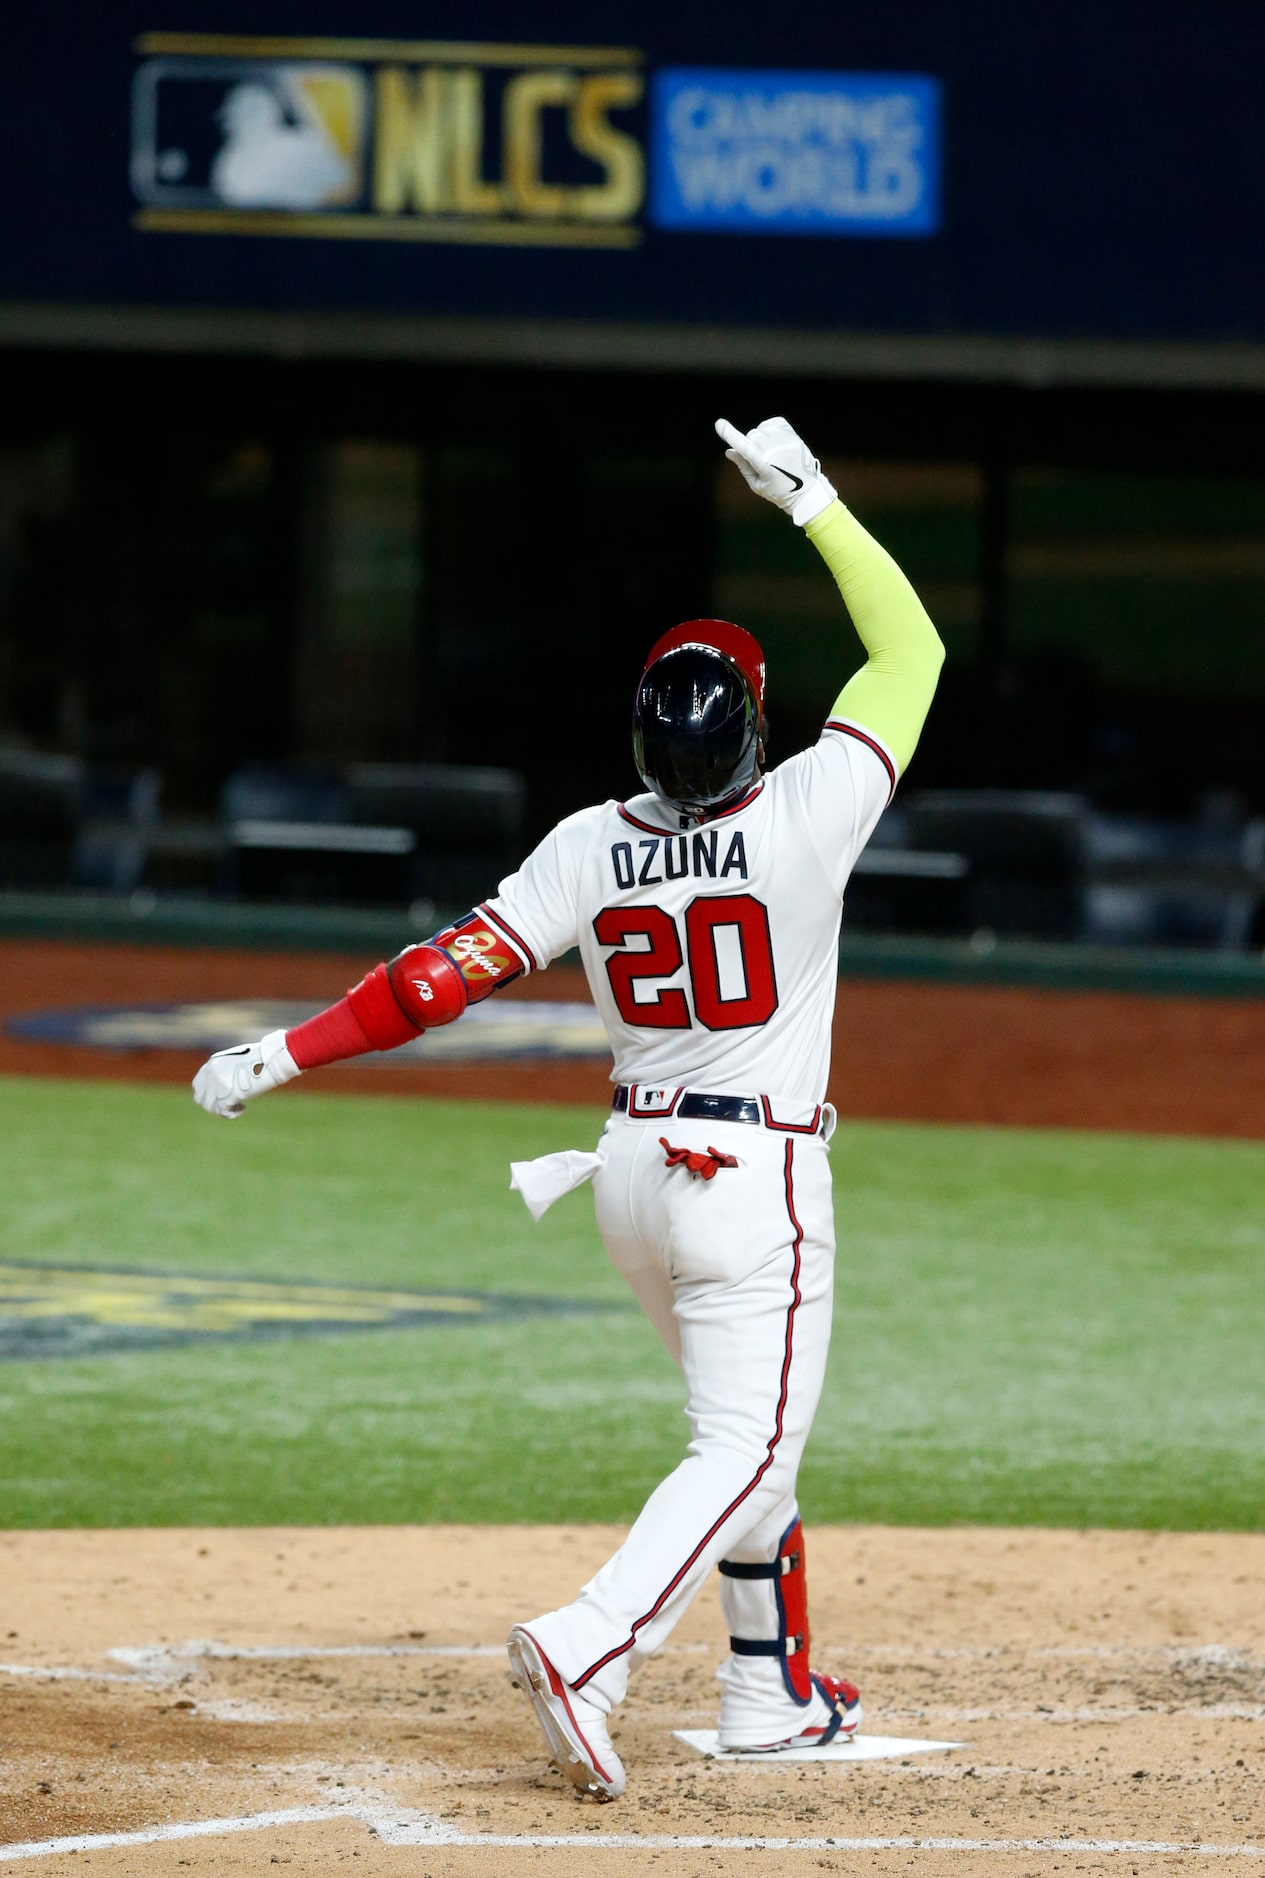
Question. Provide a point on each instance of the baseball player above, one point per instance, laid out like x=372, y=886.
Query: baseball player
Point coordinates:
x=706, y=912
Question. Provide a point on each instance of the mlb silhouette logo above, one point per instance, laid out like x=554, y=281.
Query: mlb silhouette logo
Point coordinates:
x=249, y=134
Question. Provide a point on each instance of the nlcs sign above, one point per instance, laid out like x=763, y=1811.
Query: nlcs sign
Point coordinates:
x=434, y=141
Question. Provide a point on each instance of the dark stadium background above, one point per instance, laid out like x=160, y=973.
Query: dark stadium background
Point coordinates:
x=312, y=503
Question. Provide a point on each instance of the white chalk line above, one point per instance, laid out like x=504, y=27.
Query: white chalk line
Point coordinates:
x=159, y=1663
x=40, y=1672
x=156, y=1835
x=401, y=1827
x=157, y=1657
x=158, y=1654
x=257, y=1714
x=1214, y=1655
x=154, y=1667
x=613, y=1841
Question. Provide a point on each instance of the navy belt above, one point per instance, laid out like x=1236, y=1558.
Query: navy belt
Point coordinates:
x=694, y=1105
x=697, y=1107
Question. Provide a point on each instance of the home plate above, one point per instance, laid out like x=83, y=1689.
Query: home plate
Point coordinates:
x=858, y=1748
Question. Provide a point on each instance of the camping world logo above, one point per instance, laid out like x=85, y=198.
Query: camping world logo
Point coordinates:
x=393, y=140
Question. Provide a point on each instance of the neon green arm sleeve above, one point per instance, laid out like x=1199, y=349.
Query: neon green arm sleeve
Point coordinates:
x=892, y=692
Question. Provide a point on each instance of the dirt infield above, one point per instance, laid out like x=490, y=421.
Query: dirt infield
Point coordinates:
x=1109, y=1689
x=901, y=1051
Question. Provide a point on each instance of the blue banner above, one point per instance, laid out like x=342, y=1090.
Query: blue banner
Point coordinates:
x=1044, y=170
x=795, y=153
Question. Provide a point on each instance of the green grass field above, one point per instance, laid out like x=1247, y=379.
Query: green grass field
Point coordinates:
x=1040, y=1328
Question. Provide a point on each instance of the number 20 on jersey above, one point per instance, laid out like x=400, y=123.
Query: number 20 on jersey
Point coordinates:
x=728, y=953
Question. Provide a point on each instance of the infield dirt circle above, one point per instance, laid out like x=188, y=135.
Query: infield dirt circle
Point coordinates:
x=1109, y=1689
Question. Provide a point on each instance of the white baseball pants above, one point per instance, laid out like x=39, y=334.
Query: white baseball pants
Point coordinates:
x=736, y=1275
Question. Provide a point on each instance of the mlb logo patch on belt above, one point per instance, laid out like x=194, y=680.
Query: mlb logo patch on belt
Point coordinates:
x=649, y=1103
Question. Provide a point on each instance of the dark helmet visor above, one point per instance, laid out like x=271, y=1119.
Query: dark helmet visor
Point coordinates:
x=696, y=729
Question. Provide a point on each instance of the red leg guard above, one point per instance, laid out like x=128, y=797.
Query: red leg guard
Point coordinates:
x=790, y=1591
x=792, y=1600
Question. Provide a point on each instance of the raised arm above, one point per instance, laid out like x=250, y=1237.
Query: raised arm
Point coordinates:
x=892, y=692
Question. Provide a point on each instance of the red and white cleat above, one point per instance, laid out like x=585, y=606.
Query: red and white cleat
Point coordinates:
x=574, y=1728
x=835, y=1716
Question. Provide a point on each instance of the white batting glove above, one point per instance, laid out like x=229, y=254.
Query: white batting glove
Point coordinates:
x=779, y=466
x=227, y=1080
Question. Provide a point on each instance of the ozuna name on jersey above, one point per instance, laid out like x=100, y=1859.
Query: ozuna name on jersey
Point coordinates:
x=651, y=861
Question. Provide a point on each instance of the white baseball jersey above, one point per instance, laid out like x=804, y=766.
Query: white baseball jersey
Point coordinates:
x=712, y=950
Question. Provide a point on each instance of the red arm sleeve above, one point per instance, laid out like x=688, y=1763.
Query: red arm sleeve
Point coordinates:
x=328, y=1037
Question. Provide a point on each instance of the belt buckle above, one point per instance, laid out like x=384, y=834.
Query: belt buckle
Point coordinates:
x=717, y=1107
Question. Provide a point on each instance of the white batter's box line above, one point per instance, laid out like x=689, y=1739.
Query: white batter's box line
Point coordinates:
x=397, y=1826
x=157, y=1835
x=666, y=1842
x=161, y=1662
x=144, y=1654
x=1213, y=1655
x=54, y=1672
x=157, y=1664
x=855, y=1749
x=258, y=1714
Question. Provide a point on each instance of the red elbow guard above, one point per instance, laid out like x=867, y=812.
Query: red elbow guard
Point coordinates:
x=416, y=991
x=428, y=986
